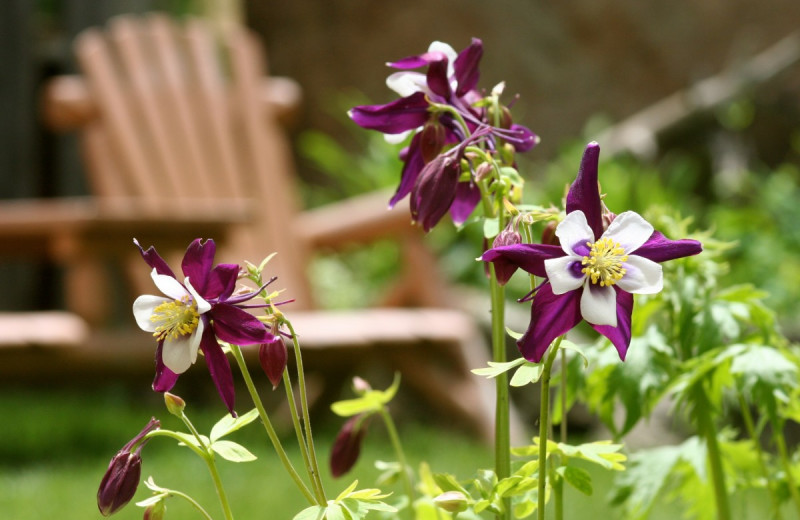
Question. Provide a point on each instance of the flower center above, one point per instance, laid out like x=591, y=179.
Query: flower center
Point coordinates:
x=604, y=263
x=175, y=318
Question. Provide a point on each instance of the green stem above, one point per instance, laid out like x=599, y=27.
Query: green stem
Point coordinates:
x=783, y=453
x=401, y=458
x=714, y=456
x=298, y=429
x=208, y=457
x=762, y=460
x=563, y=396
x=273, y=437
x=544, y=420
x=301, y=381
x=502, y=436
x=191, y=501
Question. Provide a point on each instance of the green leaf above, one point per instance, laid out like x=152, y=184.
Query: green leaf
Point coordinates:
x=232, y=451
x=526, y=374
x=335, y=512
x=229, y=424
x=447, y=482
x=491, y=227
x=349, y=489
x=578, y=478
x=496, y=368
x=514, y=334
x=372, y=401
x=311, y=513
x=188, y=439
x=602, y=453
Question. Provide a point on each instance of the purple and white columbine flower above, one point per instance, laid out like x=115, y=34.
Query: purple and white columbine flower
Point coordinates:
x=450, y=80
x=595, y=271
x=192, y=314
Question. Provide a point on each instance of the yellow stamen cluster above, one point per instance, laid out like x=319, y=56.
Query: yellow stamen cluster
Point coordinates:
x=604, y=263
x=175, y=318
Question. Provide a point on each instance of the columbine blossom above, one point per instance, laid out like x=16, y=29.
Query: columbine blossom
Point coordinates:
x=192, y=314
x=440, y=107
x=595, y=270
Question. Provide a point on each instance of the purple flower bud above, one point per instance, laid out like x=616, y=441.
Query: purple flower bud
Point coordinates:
x=435, y=190
x=122, y=476
x=272, y=356
x=347, y=446
x=432, y=140
x=504, y=270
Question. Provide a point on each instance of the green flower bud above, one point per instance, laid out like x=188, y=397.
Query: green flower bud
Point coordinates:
x=175, y=404
x=452, y=501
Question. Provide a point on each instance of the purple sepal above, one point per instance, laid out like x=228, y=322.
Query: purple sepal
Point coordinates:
x=238, y=326
x=620, y=335
x=219, y=368
x=396, y=117
x=413, y=163
x=659, y=248
x=529, y=257
x=165, y=378
x=417, y=61
x=551, y=316
x=466, y=67
x=584, y=194
x=154, y=260
x=468, y=195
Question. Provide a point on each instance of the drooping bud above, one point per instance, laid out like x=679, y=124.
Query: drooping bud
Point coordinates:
x=432, y=140
x=175, y=404
x=549, y=234
x=347, y=446
x=483, y=171
x=508, y=237
x=452, y=501
x=273, y=357
x=434, y=191
x=122, y=476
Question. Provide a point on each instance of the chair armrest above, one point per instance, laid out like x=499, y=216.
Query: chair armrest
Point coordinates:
x=358, y=219
x=67, y=101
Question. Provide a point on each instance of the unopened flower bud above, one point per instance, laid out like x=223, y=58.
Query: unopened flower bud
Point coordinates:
x=347, y=446
x=122, y=476
x=452, y=501
x=360, y=386
x=483, y=171
x=434, y=190
x=549, y=234
x=504, y=270
x=273, y=357
x=432, y=140
x=175, y=404
x=155, y=511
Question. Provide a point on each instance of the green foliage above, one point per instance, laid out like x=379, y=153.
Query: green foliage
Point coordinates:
x=351, y=504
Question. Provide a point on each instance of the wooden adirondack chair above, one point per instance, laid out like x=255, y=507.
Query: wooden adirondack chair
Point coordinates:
x=181, y=138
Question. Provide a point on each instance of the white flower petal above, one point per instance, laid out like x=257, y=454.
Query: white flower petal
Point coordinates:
x=202, y=305
x=396, y=138
x=446, y=48
x=562, y=278
x=143, y=309
x=574, y=230
x=642, y=276
x=599, y=304
x=194, y=341
x=406, y=83
x=177, y=353
x=630, y=230
x=168, y=285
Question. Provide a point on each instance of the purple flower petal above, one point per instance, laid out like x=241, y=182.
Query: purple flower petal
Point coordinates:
x=165, y=378
x=221, y=282
x=238, y=326
x=435, y=190
x=584, y=194
x=154, y=260
x=197, y=263
x=218, y=367
x=437, y=78
x=413, y=165
x=620, y=335
x=551, y=316
x=396, y=117
x=417, y=61
x=529, y=257
x=466, y=67
x=659, y=248
x=468, y=195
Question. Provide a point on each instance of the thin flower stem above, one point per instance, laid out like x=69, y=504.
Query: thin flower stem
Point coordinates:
x=298, y=429
x=563, y=395
x=502, y=442
x=714, y=457
x=401, y=458
x=780, y=443
x=191, y=501
x=301, y=381
x=273, y=437
x=208, y=457
x=544, y=420
x=751, y=431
